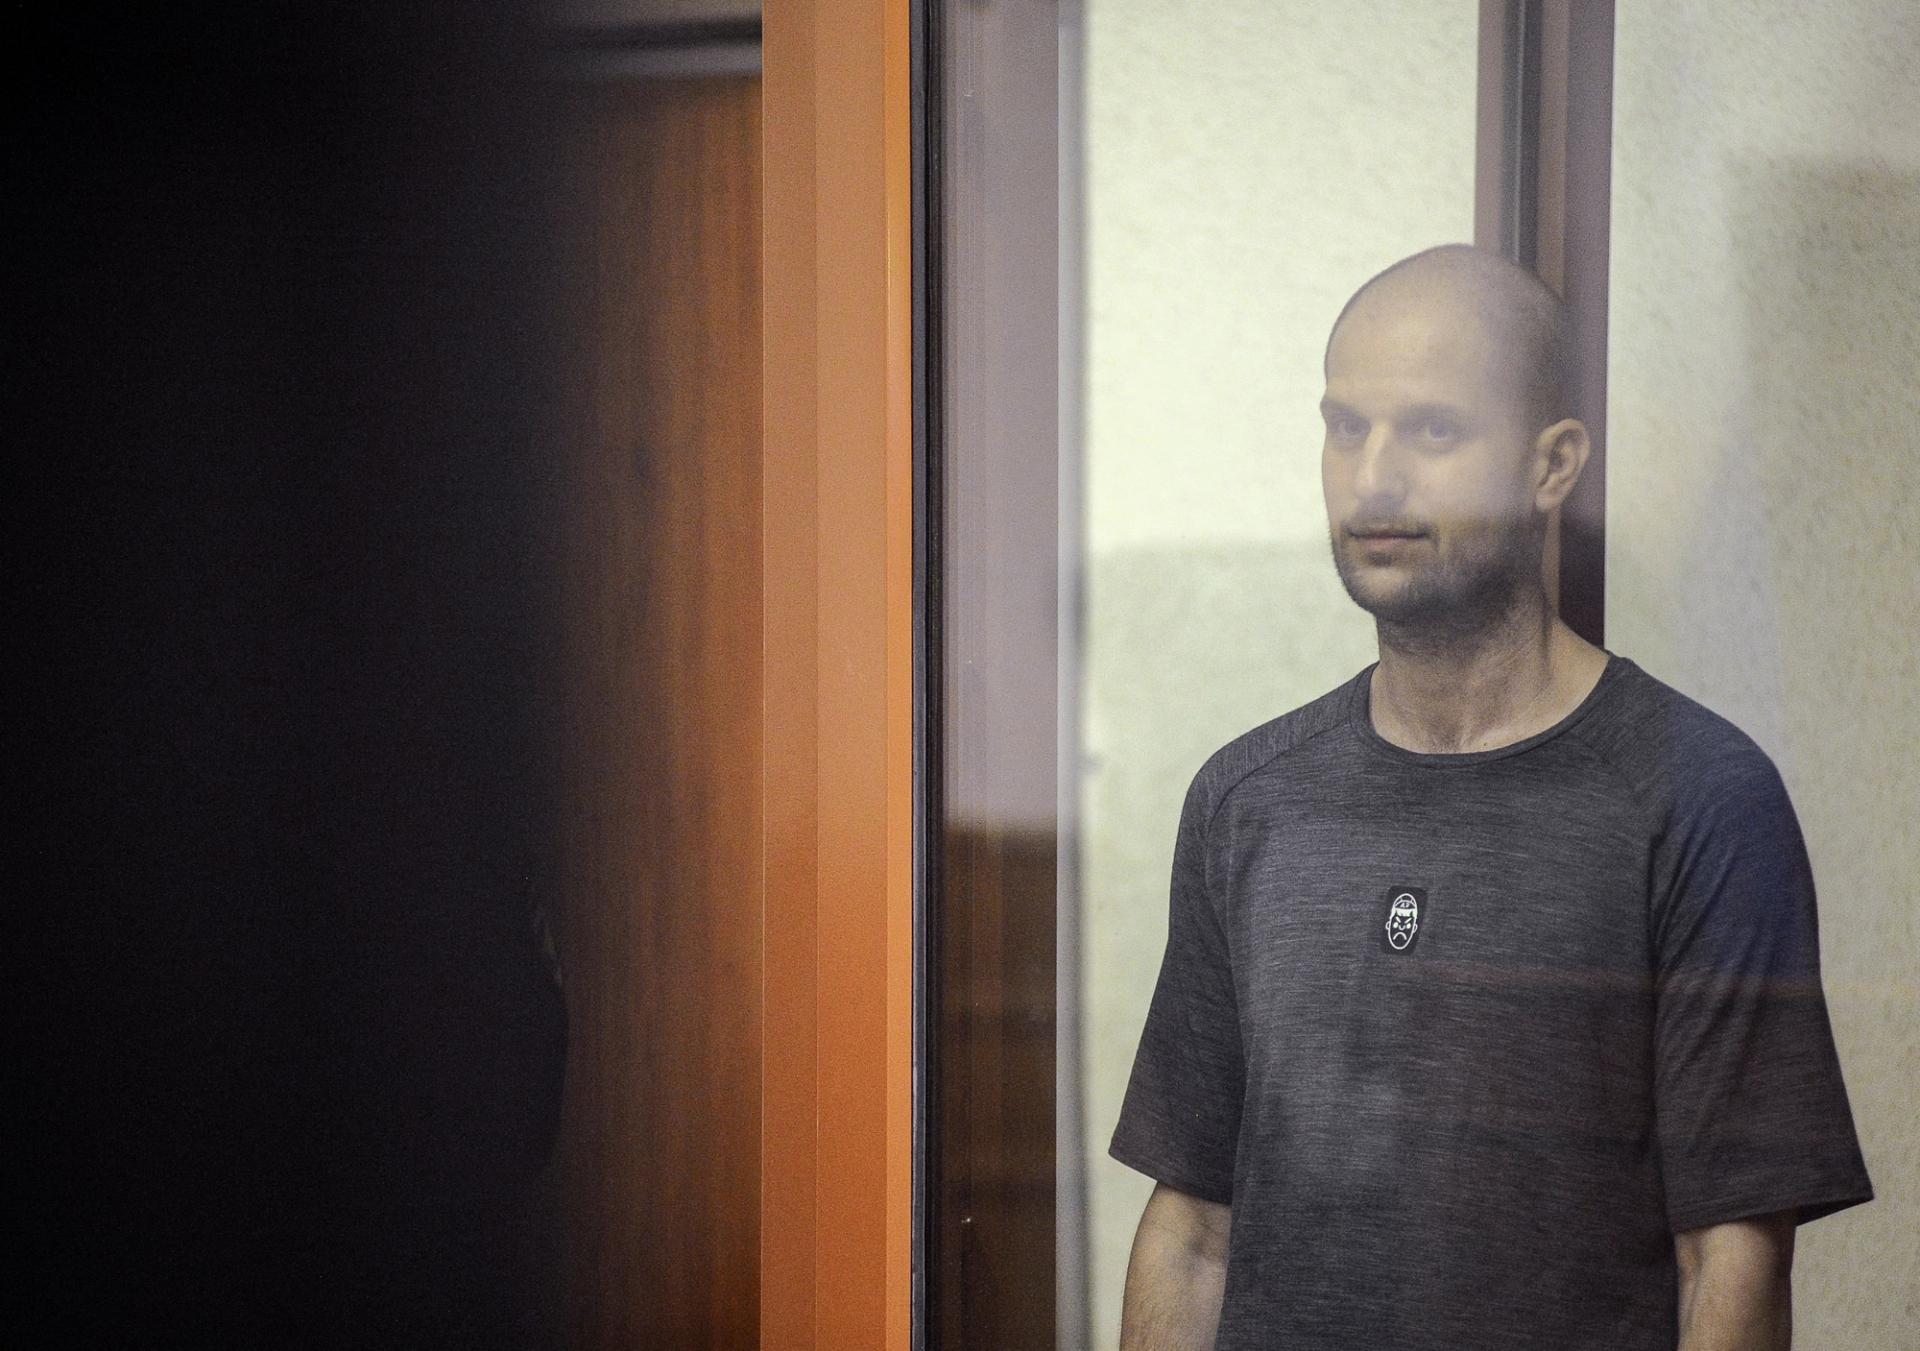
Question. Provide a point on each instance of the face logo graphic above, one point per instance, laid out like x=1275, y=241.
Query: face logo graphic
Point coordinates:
x=1403, y=918
x=1403, y=922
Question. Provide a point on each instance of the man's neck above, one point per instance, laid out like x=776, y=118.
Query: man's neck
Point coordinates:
x=1449, y=693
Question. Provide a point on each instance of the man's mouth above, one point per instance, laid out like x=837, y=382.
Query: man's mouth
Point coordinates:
x=1384, y=532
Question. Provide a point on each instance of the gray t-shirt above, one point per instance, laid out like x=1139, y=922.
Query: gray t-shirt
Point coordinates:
x=1465, y=1039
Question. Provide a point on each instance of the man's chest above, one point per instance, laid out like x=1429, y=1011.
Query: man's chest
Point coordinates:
x=1480, y=944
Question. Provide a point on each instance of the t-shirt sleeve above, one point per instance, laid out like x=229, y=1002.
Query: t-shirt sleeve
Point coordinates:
x=1751, y=1110
x=1180, y=1119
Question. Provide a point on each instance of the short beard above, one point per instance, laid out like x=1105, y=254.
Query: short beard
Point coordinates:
x=1453, y=604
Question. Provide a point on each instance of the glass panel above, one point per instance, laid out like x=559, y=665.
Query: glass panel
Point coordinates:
x=1762, y=496
x=1227, y=176
x=989, y=1186
x=1245, y=165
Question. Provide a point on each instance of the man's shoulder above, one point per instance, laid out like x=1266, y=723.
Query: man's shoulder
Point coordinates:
x=1668, y=744
x=1267, y=742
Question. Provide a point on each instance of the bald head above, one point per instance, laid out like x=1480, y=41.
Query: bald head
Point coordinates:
x=1522, y=320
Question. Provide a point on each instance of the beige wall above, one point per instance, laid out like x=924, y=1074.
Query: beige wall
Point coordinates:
x=1764, y=502
x=1248, y=164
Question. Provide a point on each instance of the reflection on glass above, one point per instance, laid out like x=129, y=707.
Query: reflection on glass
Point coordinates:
x=989, y=1187
x=1229, y=174
x=1763, y=490
x=1238, y=179
x=1245, y=166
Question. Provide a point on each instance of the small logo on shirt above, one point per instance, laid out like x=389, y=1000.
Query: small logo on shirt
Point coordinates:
x=1406, y=906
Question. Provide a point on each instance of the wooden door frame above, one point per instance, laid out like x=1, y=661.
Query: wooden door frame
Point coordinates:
x=838, y=1006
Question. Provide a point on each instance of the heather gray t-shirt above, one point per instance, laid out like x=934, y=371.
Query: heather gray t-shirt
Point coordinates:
x=1465, y=1039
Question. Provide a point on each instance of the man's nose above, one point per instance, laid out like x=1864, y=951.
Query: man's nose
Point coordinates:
x=1378, y=473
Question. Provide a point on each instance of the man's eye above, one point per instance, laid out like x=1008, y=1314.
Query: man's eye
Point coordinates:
x=1347, y=428
x=1437, y=429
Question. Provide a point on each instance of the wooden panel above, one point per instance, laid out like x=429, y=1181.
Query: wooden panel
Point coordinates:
x=661, y=899
x=837, y=1217
x=789, y=1091
x=994, y=1286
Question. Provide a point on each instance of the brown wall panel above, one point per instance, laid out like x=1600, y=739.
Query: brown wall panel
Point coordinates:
x=996, y=1240
x=661, y=899
x=837, y=1033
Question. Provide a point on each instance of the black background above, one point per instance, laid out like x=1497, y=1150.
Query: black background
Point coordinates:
x=283, y=578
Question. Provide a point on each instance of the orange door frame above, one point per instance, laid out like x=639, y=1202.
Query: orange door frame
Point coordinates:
x=837, y=1013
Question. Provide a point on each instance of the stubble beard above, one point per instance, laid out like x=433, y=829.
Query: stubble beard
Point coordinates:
x=1448, y=603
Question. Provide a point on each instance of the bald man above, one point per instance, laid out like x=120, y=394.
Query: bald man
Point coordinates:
x=1491, y=1012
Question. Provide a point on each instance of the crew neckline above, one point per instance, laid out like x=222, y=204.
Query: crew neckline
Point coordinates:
x=1360, y=717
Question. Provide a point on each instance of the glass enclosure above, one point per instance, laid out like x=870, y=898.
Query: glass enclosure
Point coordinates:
x=1144, y=220
x=1246, y=166
x=1763, y=493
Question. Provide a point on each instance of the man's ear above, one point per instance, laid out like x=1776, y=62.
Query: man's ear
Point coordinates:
x=1559, y=454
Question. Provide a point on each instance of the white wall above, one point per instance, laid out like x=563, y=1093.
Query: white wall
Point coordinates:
x=1248, y=163
x=1763, y=515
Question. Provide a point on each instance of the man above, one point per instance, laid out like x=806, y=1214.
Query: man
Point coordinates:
x=1490, y=1015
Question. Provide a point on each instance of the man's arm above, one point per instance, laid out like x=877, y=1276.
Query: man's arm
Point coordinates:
x=1736, y=1285
x=1176, y=1275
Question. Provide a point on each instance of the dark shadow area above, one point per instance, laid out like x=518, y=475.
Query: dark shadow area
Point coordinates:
x=284, y=571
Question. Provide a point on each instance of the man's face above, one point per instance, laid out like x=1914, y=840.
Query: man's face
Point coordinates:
x=1426, y=458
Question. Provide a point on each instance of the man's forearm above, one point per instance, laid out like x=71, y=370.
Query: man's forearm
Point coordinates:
x=1176, y=1277
x=1733, y=1313
x=1736, y=1290
x=1172, y=1302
